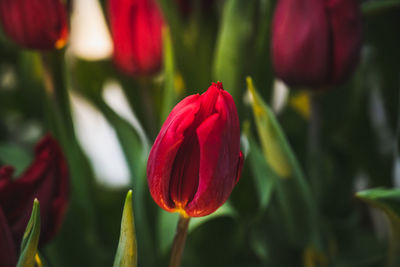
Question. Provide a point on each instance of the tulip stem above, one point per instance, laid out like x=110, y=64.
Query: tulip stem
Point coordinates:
x=179, y=241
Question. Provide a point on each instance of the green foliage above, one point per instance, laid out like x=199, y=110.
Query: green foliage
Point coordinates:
x=388, y=201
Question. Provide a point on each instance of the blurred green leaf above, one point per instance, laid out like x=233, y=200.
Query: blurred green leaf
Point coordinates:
x=231, y=51
x=30, y=239
x=388, y=201
x=126, y=255
x=167, y=224
x=169, y=95
x=225, y=210
x=265, y=179
x=295, y=197
x=372, y=7
x=15, y=156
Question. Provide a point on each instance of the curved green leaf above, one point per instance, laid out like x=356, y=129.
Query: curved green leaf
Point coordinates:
x=388, y=201
x=298, y=208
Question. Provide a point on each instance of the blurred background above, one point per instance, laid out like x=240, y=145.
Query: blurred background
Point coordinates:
x=344, y=138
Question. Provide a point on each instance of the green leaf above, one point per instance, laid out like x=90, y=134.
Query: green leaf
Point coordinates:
x=167, y=224
x=388, y=201
x=15, y=156
x=297, y=205
x=30, y=239
x=169, y=73
x=264, y=178
x=126, y=255
x=375, y=7
x=231, y=47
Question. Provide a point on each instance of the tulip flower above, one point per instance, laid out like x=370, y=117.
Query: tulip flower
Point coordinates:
x=136, y=27
x=45, y=179
x=35, y=24
x=316, y=43
x=196, y=160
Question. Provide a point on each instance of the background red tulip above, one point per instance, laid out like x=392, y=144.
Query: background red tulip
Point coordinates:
x=35, y=24
x=196, y=161
x=47, y=180
x=316, y=43
x=136, y=27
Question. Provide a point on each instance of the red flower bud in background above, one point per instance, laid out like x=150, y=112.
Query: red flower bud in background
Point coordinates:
x=35, y=24
x=196, y=160
x=47, y=180
x=316, y=42
x=136, y=27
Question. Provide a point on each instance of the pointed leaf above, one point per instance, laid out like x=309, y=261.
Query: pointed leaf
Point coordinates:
x=30, y=239
x=388, y=201
x=126, y=255
x=294, y=194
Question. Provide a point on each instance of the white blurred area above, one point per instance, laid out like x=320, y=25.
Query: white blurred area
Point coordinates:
x=90, y=40
x=100, y=143
x=280, y=95
x=89, y=36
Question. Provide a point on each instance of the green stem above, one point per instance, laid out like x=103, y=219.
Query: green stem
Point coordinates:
x=179, y=241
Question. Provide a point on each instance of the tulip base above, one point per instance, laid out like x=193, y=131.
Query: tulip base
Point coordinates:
x=179, y=241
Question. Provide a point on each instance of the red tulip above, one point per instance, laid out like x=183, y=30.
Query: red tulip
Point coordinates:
x=316, y=43
x=35, y=24
x=47, y=180
x=8, y=257
x=196, y=160
x=136, y=27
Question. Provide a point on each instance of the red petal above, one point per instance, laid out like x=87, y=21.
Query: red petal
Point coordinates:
x=136, y=27
x=300, y=42
x=8, y=256
x=219, y=139
x=35, y=24
x=165, y=148
x=345, y=19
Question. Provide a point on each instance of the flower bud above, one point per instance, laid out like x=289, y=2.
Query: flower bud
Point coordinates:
x=316, y=43
x=35, y=24
x=196, y=160
x=136, y=27
x=45, y=179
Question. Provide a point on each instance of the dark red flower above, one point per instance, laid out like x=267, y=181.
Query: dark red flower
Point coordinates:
x=35, y=24
x=47, y=180
x=136, y=27
x=196, y=160
x=8, y=257
x=316, y=43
